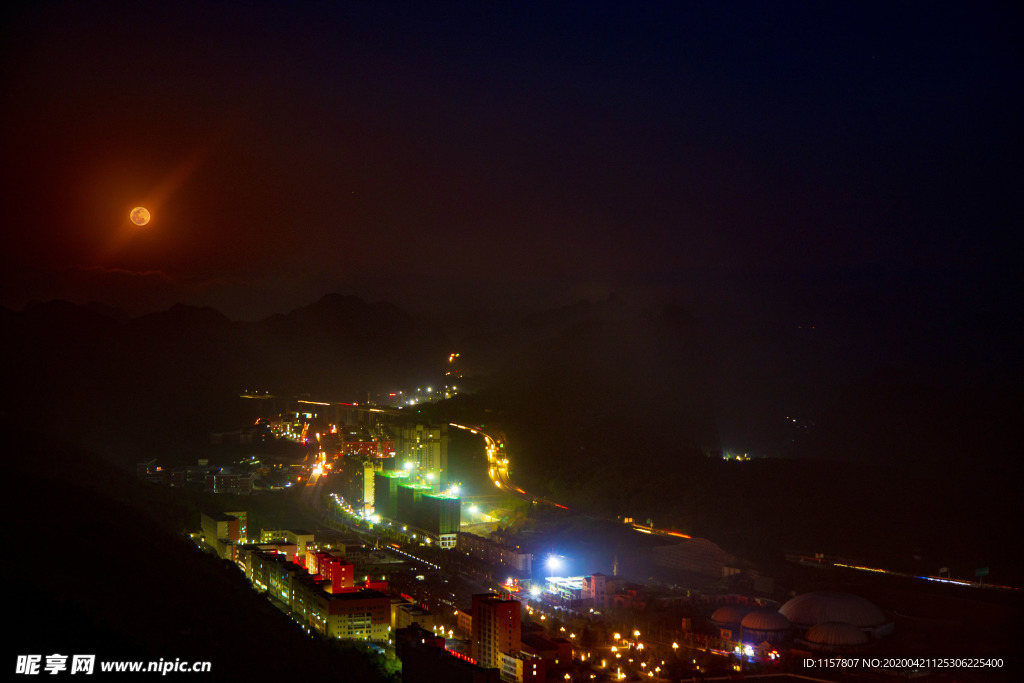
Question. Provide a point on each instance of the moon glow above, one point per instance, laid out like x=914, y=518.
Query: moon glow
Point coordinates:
x=140, y=215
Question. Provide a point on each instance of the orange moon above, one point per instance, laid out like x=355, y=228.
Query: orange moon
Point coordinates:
x=140, y=215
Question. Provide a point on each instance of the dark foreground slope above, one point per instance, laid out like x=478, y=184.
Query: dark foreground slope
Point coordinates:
x=102, y=569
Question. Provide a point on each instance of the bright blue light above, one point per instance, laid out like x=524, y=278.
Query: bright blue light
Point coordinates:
x=554, y=562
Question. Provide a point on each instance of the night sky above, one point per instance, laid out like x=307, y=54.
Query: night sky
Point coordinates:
x=853, y=167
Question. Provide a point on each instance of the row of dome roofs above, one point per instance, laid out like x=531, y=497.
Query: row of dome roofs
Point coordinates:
x=822, y=617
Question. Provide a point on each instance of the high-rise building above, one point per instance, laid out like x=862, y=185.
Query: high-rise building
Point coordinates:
x=496, y=629
x=417, y=511
x=426, y=447
x=370, y=468
x=385, y=491
x=410, y=497
x=440, y=515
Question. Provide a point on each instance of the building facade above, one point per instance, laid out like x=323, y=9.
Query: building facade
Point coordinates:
x=496, y=629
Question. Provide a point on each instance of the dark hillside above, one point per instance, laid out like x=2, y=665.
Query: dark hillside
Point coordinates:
x=117, y=578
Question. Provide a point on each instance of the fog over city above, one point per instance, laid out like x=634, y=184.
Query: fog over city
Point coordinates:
x=575, y=320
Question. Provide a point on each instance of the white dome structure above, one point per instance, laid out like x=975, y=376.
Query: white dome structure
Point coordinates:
x=766, y=625
x=810, y=609
x=730, y=614
x=726, y=620
x=835, y=635
x=766, y=620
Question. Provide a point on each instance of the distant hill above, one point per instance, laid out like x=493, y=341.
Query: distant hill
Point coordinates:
x=608, y=406
x=611, y=383
x=599, y=399
x=170, y=377
x=899, y=414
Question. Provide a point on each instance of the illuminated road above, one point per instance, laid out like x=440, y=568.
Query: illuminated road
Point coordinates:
x=498, y=466
x=311, y=491
x=497, y=471
x=827, y=562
